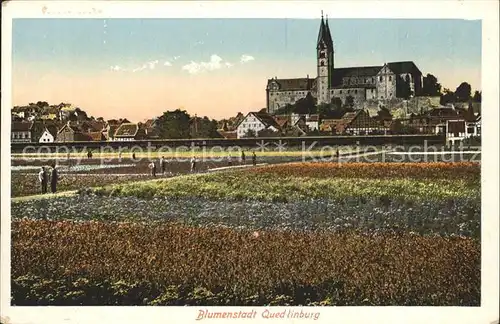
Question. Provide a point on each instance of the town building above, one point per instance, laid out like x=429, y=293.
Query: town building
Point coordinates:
x=381, y=83
x=129, y=132
x=71, y=133
x=21, y=132
x=255, y=122
x=49, y=135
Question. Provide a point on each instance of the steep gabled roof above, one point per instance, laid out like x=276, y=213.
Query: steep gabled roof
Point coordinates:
x=127, y=130
x=267, y=119
x=21, y=126
x=403, y=67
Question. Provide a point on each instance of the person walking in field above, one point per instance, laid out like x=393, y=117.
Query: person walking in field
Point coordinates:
x=152, y=166
x=193, y=164
x=254, y=159
x=54, y=178
x=229, y=160
x=243, y=157
x=43, y=178
x=337, y=153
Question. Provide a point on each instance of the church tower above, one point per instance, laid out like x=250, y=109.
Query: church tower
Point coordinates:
x=325, y=56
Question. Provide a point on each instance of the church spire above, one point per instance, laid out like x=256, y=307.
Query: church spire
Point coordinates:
x=324, y=35
x=329, y=40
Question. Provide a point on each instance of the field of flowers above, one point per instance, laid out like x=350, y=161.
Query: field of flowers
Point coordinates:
x=95, y=263
x=288, y=234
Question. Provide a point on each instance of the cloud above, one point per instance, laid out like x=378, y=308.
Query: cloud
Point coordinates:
x=116, y=68
x=167, y=63
x=148, y=65
x=246, y=58
x=215, y=63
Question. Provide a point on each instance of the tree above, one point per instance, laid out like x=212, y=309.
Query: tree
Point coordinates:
x=323, y=109
x=42, y=104
x=403, y=87
x=384, y=114
x=349, y=103
x=174, y=124
x=336, y=103
x=447, y=97
x=477, y=96
x=463, y=92
x=306, y=105
x=430, y=86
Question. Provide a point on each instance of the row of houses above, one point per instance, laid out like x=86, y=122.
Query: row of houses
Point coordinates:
x=90, y=130
x=455, y=123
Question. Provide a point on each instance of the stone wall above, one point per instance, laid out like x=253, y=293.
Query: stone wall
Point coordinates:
x=400, y=107
x=279, y=99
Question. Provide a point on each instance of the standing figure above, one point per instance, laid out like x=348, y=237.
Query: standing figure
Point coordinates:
x=162, y=165
x=152, y=166
x=193, y=164
x=254, y=159
x=337, y=153
x=229, y=160
x=89, y=154
x=243, y=157
x=133, y=156
x=54, y=177
x=43, y=178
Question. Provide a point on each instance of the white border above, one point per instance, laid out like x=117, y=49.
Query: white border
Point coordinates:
x=486, y=10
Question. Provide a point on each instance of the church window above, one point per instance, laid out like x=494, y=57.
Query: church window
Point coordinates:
x=373, y=80
x=321, y=54
x=340, y=91
x=390, y=78
x=390, y=94
x=380, y=79
x=322, y=63
x=355, y=91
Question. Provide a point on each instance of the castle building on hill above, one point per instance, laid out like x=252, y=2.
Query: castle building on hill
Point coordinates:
x=384, y=82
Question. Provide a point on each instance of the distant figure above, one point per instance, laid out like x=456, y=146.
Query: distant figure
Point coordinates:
x=133, y=156
x=229, y=160
x=254, y=159
x=43, y=178
x=67, y=156
x=120, y=156
x=337, y=153
x=162, y=165
x=243, y=157
x=152, y=166
x=89, y=154
x=193, y=164
x=54, y=177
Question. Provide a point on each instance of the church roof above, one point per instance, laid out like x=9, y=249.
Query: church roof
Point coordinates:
x=403, y=67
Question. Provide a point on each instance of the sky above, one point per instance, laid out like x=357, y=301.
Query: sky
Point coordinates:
x=139, y=68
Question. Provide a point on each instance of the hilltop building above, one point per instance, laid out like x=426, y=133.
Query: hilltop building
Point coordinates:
x=384, y=82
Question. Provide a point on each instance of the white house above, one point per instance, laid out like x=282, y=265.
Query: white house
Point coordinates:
x=46, y=137
x=312, y=122
x=256, y=122
x=457, y=130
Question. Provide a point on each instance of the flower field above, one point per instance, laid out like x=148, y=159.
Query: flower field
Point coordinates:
x=136, y=264
x=287, y=234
